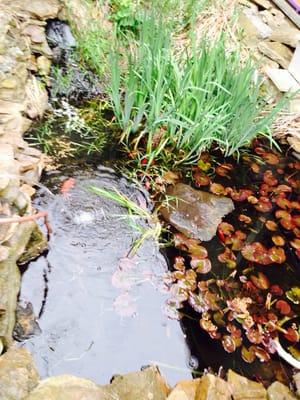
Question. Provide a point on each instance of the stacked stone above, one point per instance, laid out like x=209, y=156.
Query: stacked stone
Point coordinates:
x=24, y=63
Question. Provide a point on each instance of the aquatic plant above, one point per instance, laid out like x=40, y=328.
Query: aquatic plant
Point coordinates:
x=245, y=285
x=184, y=106
x=153, y=228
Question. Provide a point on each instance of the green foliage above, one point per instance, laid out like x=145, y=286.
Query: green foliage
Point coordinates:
x=184, y=106
x=126, y=15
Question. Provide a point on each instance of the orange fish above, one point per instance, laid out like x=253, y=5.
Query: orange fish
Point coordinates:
x=66, y=186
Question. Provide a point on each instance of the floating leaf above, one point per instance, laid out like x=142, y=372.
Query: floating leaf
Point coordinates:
x=248, y=355
x=252, y=200
x=270, y=158
x=282, y=189
x=207, y=325
x=179, y=264
x=269, y=178
x=260, y=281
x=228, y=258
x=203, y=165
x=244, y=218
x=218, y=318
x=278, y=240
x=198, y=251
x=228, y=344
x=255, y=168
x=260, y=151
x=283, y=307
x=277, y=255
x=236, y=240
x=202, y=266
x=201, y=179
x=283, y=203
x=294, y=295
x=256, y=252
x=218, y=189
x=261, y=354
x=225, y=228
x=263, y=204
x=271, y=226
x=241, y=195
x=224, y=169
x=254, y=335
x=197, y=302
x=292, y=334
x=276, y=290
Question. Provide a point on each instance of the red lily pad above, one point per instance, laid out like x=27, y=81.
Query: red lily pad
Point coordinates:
x=244, y=218
x=260, y=281
x=292, y=334
x=263, y=204
x=201, y=179
x=202, y=266
x=226, y=228
x=228, y=344
x=255, y=167
x=295, y=243
x=218, y=189
x=228, y=258
x=252, y=200
x=271, y=225
x=179, y=264
x=278, y=240
x=236, y=240
x=256, y=252
x=248, y=355
x=241, y=195
x=269, y=178
x=254, y=336
x=282, y=189
x=283, y=203
x=276, y=290
x=270, y=158
x=261, y=354
x=224, y=169
x=277, y=255
x=283, y=307
x=207, y=325
x=259, y=150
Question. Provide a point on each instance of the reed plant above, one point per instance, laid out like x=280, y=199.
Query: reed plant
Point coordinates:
x=184, y=105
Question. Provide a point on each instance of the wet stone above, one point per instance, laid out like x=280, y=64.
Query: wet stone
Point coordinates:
x=26, y=323
x=196, y=213
x=244, y=389
x=18, y=375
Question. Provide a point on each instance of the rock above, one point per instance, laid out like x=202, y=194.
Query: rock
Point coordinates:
x=196, y=213
x=286, y=34
x=277, y=52
x=26, y=323
x=147, y=384
x=294, y=67
x=36, y=245
x=294, y=141
x=212, y=388
x=296, y=378
x=282, y=79
x=18, y=375
x=184, y=390
x=36, y=33
x=278, y=391
x=244, y=389
x=263, y=3
x=60, y=35
x=67, y=387
x=44, y=65
x=253, y=26
x=39, y=8
x=36, y=98
x=4, y=254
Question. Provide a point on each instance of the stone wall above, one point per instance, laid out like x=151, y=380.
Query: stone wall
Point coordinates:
x=24, y=64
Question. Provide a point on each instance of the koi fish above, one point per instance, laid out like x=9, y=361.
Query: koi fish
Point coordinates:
x=66, y=186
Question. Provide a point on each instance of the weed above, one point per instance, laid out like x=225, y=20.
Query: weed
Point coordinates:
x=153, y=230
x=184, y=106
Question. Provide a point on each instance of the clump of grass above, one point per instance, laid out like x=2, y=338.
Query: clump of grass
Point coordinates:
x=185, y=106
x=153, y=230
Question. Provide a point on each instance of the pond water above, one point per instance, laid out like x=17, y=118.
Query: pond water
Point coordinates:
x=99, y=312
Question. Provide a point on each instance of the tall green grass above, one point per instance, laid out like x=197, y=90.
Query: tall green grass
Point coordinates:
x=185, y=105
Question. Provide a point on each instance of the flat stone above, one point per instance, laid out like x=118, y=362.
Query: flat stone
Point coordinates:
x=277, y=52
x=26, y=323
x=4, y=254
x=184, y=390
x=147, y=384
x=44, y=65
x=40, y=8
x=244, y=389
x=286, y=34
x=294, y=67
x=263, y=3
x=196, y=213
x=9, y=83
x=18, y=375
x=253, y=25
x=278, y=391
x=36, y=33
x=212, y=388
x=282, y=79
x=67, y=387
x=36, y=98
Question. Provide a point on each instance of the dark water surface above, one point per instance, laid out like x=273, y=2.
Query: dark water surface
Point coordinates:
x=100, y=314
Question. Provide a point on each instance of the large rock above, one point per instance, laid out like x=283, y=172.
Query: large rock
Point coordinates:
x=143, y=385
x=184, y=390
x=277, y=52
x=244, y=389
x=278, y=391
x=18, y=375
x=212, y=388
x=67, y=387
x=195, y=213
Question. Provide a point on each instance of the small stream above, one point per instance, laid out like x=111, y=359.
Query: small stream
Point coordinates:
x=99, y=312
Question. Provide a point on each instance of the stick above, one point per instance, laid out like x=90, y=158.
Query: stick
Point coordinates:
x=40, y=214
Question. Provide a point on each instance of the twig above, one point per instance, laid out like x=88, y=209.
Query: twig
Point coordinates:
x=40, y=214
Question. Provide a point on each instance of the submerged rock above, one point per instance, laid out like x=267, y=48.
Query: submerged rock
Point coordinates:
x=244, y=389
x=26, y=323
x=196, y=213
x=18, y=375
